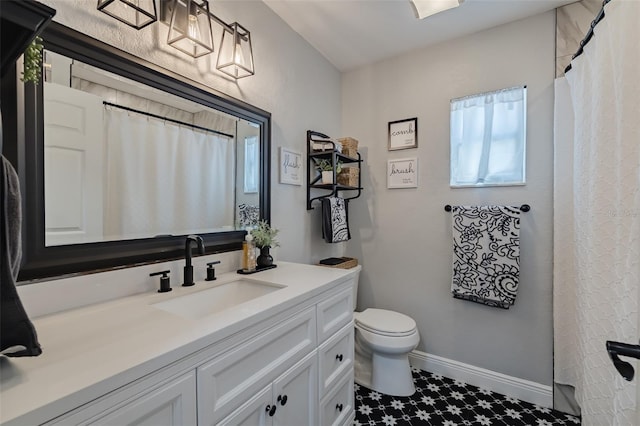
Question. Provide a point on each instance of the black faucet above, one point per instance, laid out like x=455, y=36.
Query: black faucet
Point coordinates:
x=188, y=268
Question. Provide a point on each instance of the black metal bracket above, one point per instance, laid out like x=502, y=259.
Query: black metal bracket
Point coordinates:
x=617, y=349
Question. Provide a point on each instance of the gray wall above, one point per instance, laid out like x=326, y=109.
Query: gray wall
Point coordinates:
x=293, y=81
x=403, y=236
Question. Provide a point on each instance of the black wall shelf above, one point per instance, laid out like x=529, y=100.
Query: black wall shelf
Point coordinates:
x=314, y=178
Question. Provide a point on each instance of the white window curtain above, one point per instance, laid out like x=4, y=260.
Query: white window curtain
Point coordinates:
x=488, y=134
x=164, y=178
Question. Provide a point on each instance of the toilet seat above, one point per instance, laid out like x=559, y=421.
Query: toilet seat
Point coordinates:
x=385, y=323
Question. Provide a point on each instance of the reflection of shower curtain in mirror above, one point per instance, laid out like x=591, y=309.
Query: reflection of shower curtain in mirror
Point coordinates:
x=165, y=179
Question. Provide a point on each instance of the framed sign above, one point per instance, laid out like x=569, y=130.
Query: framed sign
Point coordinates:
x=402, y=173
x=290, y=166
x=403, y=134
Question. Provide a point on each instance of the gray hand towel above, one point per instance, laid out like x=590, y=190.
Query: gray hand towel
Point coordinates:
x=17, y=335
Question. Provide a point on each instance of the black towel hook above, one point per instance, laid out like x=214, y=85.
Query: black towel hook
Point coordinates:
x=523, y=208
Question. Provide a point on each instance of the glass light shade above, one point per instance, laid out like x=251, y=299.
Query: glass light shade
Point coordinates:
x=135, y=13
x=190, y=28
x=236, y=55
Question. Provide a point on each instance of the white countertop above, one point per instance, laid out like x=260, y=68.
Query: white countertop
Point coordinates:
x=87, y=350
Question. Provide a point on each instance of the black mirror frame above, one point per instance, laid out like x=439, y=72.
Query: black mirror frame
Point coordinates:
x=40, y=261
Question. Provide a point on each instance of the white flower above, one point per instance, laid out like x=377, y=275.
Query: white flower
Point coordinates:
x=449, y=423
x=514, y=414
x=459, y=383
x=457, y=395
x=437, y=376
x=542, y=422
x=483, y=420
x=433, y=388
x=365, y=409
x=454, y=410
x=572, y=418
x=423, y=415
x=543, y=409
x=389, y=420
x=398, y=405
x=375, y=395
x=484, y=404
x=356, y=387
x=488, y=392
x=428, y=400
x=512, y=399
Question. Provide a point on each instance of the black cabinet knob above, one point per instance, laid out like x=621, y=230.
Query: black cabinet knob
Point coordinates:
x=339, y=407
x=339, y=357
x=271, y=410
x=282, y=399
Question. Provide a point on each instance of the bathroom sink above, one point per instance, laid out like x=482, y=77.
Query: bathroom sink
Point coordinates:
x=216, y=299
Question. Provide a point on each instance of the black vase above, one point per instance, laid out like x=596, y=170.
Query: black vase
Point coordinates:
x=265, y=258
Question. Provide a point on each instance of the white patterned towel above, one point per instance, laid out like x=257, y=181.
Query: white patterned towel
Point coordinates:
x=486, y=254
x=335, y=224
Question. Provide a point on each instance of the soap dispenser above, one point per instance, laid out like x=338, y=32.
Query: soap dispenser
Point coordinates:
x=248, y=253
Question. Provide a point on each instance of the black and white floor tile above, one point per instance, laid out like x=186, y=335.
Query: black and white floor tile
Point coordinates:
x=440, y=401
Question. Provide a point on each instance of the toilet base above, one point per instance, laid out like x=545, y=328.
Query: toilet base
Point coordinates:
x=389, y=374
x=392, y=375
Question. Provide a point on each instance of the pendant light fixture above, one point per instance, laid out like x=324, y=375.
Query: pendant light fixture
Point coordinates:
x=236, y=54
x=135, y=13
x=190, y=28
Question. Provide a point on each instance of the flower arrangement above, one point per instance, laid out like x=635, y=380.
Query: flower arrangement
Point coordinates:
x=264, y=235
x=32, y=62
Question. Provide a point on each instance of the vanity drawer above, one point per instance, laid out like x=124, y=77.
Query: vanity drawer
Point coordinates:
x=334, y=313
x=226, y=382
x=337, y=407
x=336, y=358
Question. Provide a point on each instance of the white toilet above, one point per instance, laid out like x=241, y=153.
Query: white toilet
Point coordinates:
x=383, y=340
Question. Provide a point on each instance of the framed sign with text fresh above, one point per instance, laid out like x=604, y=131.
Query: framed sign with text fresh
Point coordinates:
x=290, y=166
x=403, y=134
x=402, y=173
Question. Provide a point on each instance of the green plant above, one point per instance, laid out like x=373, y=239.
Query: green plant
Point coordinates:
x=325, y=165
x=264, y=235
x=32, y=67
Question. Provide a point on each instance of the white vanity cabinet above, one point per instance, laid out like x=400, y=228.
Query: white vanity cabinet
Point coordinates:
x=293, y=366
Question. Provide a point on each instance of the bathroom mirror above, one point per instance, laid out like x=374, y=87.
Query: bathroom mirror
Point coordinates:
x=123, y=159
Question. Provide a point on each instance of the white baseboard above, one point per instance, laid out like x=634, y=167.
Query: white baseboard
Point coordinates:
x=524, y=390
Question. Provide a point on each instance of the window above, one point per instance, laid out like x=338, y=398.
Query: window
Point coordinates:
x=488, y=133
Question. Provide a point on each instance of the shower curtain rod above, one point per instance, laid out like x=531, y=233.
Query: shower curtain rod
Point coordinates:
x=159, y=117
x=523, y=208
x=587, y=38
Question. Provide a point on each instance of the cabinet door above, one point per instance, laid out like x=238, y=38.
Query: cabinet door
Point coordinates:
x=295, y=394
x=171, y=404
x=254, y=412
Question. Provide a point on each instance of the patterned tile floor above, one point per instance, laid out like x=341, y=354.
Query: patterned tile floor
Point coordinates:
x=440, y=401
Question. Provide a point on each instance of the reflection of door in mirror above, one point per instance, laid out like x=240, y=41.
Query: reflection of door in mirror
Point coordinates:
x=127, y=161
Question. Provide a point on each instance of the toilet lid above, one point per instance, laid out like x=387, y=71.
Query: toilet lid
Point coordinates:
x=388, y=323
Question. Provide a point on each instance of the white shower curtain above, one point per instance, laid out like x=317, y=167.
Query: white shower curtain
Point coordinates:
x=597, y=217
x=164, y=178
